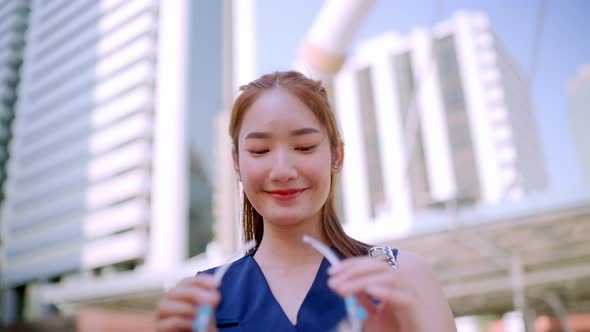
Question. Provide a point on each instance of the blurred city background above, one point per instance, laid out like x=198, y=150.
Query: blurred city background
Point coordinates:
x=466, y=125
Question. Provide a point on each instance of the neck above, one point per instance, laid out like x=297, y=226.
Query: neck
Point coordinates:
x=283, y=244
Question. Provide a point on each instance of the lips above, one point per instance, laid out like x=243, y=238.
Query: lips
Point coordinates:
x=285, y=195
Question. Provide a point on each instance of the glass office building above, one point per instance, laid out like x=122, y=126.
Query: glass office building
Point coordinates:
x=440, y=116
x=111, y=156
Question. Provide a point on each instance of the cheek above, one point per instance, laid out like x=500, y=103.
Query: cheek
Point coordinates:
x=251, y=172
x=318, y=169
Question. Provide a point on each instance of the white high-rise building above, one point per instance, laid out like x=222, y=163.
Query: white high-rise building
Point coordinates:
x=111, y=156
x=440, y=116
x=13, y=24
x=579, y=116
x=239, y=69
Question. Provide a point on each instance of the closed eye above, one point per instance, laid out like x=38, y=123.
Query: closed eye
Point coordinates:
x=258, y=152
x=306, y=148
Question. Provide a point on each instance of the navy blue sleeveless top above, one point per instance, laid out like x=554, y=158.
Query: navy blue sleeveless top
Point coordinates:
x=248, y=305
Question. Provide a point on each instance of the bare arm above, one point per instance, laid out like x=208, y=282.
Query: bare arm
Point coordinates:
x=432, y=309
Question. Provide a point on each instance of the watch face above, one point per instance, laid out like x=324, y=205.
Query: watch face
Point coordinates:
x=378, y=251
x=383, y=253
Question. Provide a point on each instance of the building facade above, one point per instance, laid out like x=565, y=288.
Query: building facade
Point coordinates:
x=14, y=18
x=579, y=116
x=441, y=116
x=13, y=26
x=111, y=157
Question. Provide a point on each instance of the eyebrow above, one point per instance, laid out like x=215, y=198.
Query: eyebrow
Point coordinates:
x=297, y=132
x=304, y=131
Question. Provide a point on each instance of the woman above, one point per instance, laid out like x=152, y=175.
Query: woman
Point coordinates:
x=287, y=152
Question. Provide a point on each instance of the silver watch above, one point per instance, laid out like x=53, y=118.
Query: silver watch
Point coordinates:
x=385, y=254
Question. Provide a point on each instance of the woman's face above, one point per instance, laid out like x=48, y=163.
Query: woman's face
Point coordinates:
x=284, y=159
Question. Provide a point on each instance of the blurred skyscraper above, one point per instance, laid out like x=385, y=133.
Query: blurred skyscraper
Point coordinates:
x=13, y=24
x=111, y=156
x=239, y=68
x=442, y=115
x=579, y=115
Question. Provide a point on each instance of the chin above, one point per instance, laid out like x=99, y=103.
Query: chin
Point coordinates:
x=287, y=219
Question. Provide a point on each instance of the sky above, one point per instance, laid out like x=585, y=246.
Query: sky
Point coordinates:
x=564, y=47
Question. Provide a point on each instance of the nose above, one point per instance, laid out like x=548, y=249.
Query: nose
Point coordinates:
x=283, y=168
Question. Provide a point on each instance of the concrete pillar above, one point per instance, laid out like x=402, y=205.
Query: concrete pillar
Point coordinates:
x=35, y=308
x=11, y=303
x=169, y=216
x=323, y=50
x=518, y=290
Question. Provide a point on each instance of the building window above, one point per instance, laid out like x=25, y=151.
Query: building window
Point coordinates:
x=371, y=142
x=460, y=138
x=416, y=161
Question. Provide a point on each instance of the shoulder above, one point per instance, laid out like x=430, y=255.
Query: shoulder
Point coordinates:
x=434, y=307
x=417, y=271
x=414, y=264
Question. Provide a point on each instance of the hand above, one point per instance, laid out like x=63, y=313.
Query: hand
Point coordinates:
x=176, y=311
x=373, y=280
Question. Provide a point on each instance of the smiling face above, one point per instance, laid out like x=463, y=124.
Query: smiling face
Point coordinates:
x=284, y=159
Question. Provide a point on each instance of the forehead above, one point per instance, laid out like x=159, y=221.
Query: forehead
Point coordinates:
x=278, y=110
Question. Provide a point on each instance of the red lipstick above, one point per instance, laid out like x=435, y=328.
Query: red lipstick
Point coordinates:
x=285, y=195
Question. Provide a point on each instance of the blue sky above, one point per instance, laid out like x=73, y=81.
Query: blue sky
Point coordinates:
x=564, y=47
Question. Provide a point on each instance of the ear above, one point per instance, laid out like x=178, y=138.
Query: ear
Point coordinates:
x=338, y=158
x=234, y=154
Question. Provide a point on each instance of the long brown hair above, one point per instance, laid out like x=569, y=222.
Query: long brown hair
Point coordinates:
x=315, y=97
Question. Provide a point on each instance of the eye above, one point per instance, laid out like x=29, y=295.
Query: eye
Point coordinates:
x=306, y=148
x=258, y=152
